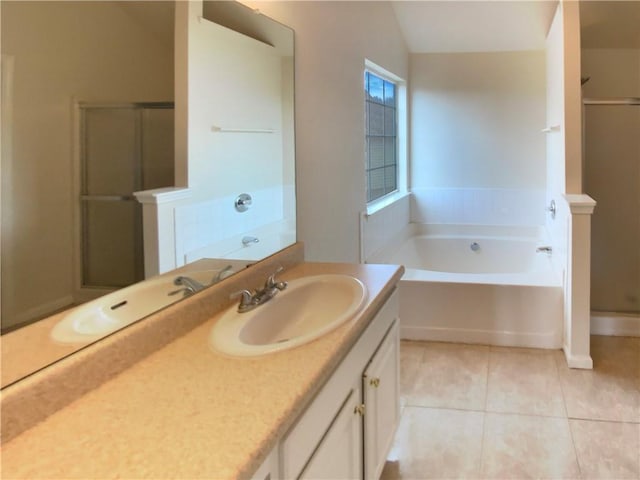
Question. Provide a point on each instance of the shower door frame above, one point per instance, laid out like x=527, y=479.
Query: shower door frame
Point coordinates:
x=83, y=293
x=629, y=101
x=611, y=101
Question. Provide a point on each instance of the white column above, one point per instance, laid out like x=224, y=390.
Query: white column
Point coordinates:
x=578, y=282
x=158, y=223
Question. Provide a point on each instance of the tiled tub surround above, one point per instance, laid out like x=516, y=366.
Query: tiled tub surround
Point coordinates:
x=186, y=411
x=513, y=413
x=502, y=293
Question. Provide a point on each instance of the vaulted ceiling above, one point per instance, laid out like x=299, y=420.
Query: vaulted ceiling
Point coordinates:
x=474, y=26
x=498, y=25
x=610, y=24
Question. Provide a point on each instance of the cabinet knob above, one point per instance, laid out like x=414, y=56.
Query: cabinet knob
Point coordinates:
x=359, y=409
x=374, y=382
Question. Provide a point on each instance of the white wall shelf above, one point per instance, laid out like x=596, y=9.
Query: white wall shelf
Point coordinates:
x=218, y=129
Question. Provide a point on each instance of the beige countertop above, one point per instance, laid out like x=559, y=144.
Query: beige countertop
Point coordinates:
x=18, y=361
x=187, y=411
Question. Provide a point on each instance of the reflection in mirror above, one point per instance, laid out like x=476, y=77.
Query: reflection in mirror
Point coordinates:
x=124, y=151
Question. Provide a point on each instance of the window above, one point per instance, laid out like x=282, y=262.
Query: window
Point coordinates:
x=381, y=136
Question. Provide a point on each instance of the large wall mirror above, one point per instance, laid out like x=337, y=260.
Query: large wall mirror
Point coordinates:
x=141, y=142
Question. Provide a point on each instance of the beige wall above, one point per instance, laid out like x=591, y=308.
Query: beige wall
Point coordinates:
x=612, y=178
x=90, y=51
x=476, y=120
x=572, y=96
x=332, y=41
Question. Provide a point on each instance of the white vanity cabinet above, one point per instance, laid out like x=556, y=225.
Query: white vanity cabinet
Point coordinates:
x=381, y=391
x=339, y=454
x=348, y=428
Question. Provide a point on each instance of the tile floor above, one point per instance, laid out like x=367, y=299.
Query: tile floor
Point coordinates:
x=477, y=412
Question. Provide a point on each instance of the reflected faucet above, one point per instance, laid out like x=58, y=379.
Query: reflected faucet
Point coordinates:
x=221, y=274
x=249, y=301
x=249, y=239
x=189, y=285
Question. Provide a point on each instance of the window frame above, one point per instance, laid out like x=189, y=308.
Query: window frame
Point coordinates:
x=400, y=135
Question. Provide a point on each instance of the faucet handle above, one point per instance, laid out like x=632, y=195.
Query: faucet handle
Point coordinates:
x=246, y=300
x=224, y=273
x=185, y=291
x=272, y=283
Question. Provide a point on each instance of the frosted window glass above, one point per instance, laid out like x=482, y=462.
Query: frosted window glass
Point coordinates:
x=376, y=152
x=389, y=121
x=390, y=151
x=377, y=119
x=376, y=183
x=389, y=179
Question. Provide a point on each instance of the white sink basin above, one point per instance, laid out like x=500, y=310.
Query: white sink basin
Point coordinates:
x=309, y=308
x=94, y=319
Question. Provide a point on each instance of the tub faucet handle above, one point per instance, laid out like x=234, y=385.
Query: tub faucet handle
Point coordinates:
x=552, y=209
x=546, y=249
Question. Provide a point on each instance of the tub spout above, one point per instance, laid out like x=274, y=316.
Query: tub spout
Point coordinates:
x=545, y=249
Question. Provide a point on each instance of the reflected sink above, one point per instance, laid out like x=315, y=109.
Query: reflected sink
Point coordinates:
x=99, y=317
x=309, y=308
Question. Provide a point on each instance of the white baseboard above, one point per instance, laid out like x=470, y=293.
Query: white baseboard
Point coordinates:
x=615, y=324
x=584, y=362
x=483, y=337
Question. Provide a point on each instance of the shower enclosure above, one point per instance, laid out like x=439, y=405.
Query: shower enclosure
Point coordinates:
x=612, y=178
x=124, y=148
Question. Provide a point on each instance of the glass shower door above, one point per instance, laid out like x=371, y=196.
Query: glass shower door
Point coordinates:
x=125, y=148
x=612, y=178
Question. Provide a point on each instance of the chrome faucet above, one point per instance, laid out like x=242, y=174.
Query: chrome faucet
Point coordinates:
x=221, y=274
x=189, y=285
x=249, y=301
x=546, y=249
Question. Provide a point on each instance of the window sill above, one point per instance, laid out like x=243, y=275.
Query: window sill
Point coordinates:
x=385, y=201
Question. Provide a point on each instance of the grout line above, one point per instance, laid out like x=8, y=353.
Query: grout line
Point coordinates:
x=446, y=408
x=484, y=433
x=601, y=420
x=513, y=414
x=575, y=451
x=486, y=385
x=564, y=397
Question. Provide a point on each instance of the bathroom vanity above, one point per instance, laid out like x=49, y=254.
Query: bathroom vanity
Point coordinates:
x=187, y=411
x=351, y=422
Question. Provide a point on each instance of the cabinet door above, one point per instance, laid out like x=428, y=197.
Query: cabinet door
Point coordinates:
x=381, y=398
x=339, y=454
x=269, y=468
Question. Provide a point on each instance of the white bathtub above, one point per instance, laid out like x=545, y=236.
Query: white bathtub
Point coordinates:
x=500, y=292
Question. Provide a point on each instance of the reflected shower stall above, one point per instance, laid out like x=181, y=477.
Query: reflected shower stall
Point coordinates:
x=124, y=148
x=612, y=177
